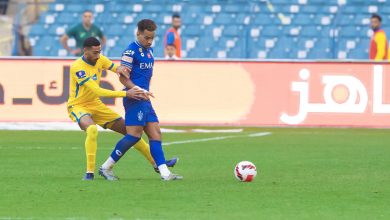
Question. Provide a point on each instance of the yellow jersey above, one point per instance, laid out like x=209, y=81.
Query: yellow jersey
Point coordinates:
x=85, y=81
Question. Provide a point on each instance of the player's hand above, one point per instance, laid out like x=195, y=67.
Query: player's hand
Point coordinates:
x=136, y=93
x=124, y=71
x=146, y=92
x=75, y=51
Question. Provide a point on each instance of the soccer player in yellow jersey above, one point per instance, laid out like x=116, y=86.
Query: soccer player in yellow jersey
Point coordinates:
x=86, y=108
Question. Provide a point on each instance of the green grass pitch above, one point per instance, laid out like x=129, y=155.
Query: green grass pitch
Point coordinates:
x=310, y=173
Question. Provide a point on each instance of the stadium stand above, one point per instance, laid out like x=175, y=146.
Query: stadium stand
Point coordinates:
x=275, y=29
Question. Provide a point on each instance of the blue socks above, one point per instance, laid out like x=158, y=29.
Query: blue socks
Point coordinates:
x=123, y=146
x=157, y=152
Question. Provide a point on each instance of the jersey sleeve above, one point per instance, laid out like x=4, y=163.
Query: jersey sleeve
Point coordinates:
x=107, y=64
x=71, y=32
x=170, y=38
x=100, y=33
x=128, y=58
x=95, y=88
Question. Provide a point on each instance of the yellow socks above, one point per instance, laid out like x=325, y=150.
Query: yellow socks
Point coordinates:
x=143, y=147
x=90, y=147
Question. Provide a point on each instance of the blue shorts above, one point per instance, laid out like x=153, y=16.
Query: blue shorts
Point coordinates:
x=138, y=113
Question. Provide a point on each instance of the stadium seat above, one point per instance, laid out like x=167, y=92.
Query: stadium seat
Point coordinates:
x=298, y=29
x=223, y=19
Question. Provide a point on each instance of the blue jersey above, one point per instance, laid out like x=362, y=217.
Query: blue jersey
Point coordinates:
x=140, y=60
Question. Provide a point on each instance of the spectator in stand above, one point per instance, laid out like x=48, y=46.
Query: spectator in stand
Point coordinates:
x=172, y=41
x=3, y=7
x=82, y=31
x=378, y=44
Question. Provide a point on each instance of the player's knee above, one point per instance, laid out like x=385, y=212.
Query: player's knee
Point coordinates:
x=156, y=135
x=92, y=131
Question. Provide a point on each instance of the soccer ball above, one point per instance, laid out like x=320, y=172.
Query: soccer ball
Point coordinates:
x=245, y=171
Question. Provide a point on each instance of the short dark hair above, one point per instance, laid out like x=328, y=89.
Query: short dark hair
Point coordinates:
x=91, y=42
x=175, y=16
x=377, y=17
x=146, y=24
x=89, y=11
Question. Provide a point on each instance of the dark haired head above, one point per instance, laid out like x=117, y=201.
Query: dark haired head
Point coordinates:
x=175, y=16
x=377, y=17
x=91, y=42
x=146, y=24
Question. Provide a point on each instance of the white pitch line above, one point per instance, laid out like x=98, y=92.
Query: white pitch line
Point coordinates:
x=261, y=134
x=217, y=138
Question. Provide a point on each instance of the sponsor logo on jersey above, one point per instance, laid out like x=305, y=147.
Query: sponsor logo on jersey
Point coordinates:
x=144, y=66
x=80, y=74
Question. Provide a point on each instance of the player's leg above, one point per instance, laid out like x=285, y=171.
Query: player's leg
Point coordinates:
x=120, y=127
x=88, y=125
x=82, y=116
x=133, y=135
x=152, y=129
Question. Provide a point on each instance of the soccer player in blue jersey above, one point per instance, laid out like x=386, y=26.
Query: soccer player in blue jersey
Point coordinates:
x=140, y=115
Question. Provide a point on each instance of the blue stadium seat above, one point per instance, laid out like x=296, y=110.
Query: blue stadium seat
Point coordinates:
x=303, y=19
x=78, y=8
x=349, y=31
x=279, y=53
x=38, y=30
x=310, y=9
x=309, y=31
x=234, y=8
x=357, y=54
x=235, y=52
x=67, y=18
x=319, y=54
x=270, y=31
x=153, y=8
x=232, y=30
x=250, y=24
x=262, y=19
x=116, y=30
x=223, y=19
x=192, y=30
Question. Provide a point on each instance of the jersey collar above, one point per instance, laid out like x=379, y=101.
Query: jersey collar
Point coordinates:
x=136, y=42
x=86, y=61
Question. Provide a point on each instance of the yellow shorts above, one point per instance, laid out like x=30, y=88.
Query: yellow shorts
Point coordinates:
x=100, y=113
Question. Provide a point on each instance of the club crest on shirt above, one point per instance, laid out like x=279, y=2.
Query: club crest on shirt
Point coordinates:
x=94, y=77
x=149, y=56
x=80, y=74
x=140, y=115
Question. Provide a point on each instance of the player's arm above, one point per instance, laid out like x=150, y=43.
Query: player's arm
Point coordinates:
x=380, y=40
x=120, y=70
x=64, y=41
x=127, y=61
x=134, y=93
